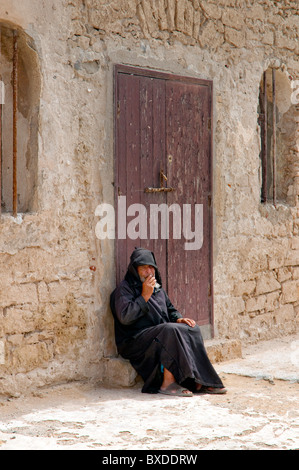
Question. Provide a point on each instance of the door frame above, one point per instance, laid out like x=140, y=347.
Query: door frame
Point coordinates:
x=207, y=330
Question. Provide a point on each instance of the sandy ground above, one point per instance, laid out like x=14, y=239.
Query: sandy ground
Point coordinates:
x=260, y=411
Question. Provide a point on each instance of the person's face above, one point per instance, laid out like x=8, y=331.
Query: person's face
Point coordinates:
x=144, y=271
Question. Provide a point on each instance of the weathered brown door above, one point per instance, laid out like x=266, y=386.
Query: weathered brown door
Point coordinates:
x=163, y=140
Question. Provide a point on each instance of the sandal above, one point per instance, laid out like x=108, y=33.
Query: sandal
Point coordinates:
x=211, y=390
x=176, y=390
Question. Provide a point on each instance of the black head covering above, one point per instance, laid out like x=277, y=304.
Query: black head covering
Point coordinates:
x=140, y=257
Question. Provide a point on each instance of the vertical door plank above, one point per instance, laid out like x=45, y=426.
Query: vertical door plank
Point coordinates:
x=153, y=159
x=133, y=152
x=188, y=150
x=120, y=165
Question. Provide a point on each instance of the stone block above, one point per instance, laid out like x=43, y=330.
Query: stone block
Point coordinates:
x=189, y=19
x=295, y=272
x=29, y=357
x=229, y=306
x=196, y=24
x=257, y=12
x=57, y=291
x=43, y=292
x=276, y=261
x=209, y=35
x=119, y=372
x=285, y=42
x=233, y=18
x=18, y=294
x=261, y=325
x=245, y=288
x=292, y=258
x=180, y=16
x=272, y=300
x=171, y=14
x=223, y=350
x=234, y=37
x=237, y=305
x=267, y=283
x=101, y=16
x=268, y=38
x=15, y=340
x=18, y=321
x=284, y=314
x=290, y=291
x=256, y=303
x=295, y=243
x=211, y=10
x=284, y=274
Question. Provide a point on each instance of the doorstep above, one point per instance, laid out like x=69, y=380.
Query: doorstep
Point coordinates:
x=118, y=372
x=221, y=350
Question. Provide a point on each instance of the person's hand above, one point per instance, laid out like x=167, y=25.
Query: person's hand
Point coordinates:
x=188, y=321
x=148, y=287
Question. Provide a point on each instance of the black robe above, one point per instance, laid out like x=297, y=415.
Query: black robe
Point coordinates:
x=147, y=334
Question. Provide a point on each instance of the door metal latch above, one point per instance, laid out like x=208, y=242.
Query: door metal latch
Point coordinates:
x=162, y=188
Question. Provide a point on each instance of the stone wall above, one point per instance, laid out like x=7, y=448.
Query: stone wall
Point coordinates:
x=55, y=276
x=232, y=43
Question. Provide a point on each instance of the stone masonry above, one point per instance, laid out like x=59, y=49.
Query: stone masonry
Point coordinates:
x=55, y=276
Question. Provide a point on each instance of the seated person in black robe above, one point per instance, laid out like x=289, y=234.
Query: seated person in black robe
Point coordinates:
x=166, y=349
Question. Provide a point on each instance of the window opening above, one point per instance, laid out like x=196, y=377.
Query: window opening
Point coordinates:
x=14, y=117
x=267, y=121
x=278, y=121
x=19, y=110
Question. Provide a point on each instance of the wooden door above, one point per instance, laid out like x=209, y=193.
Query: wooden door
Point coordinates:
x=163, y=129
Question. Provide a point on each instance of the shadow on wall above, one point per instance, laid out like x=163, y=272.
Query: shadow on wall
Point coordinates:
x=278, y=120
